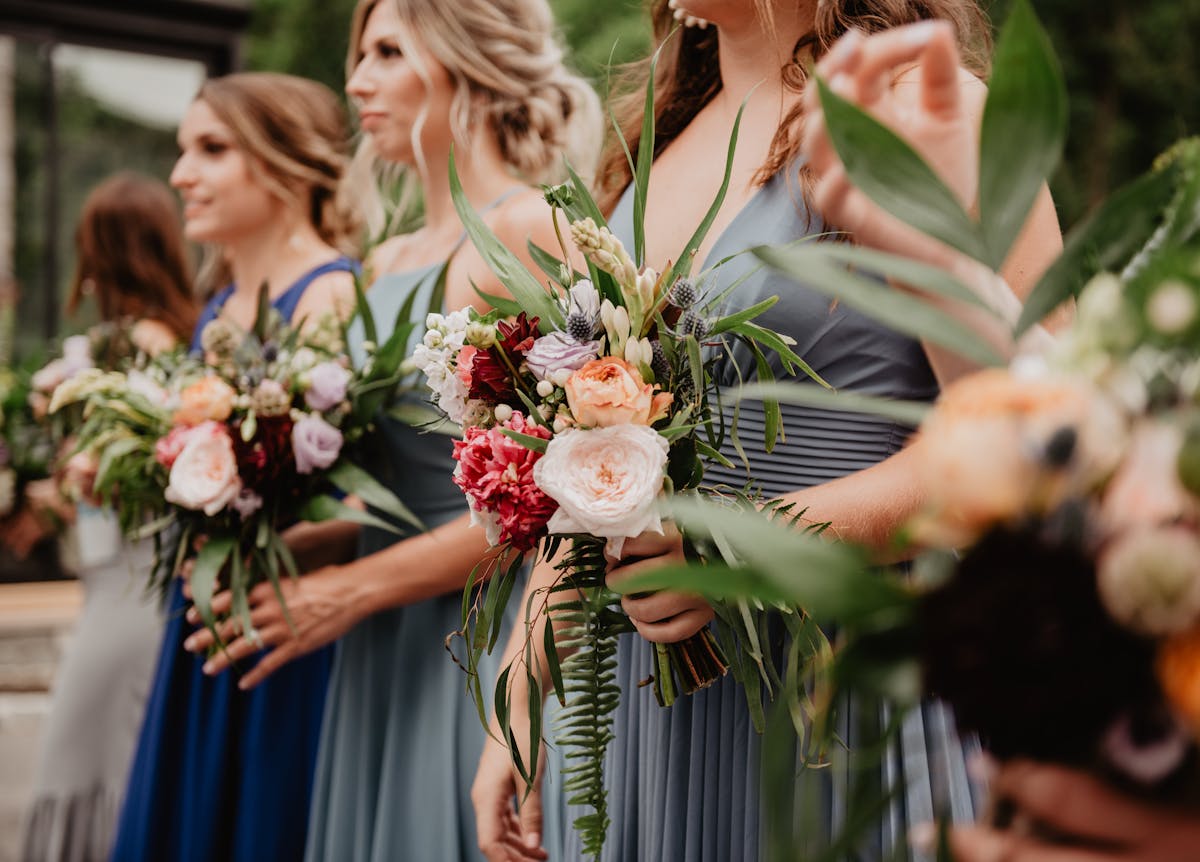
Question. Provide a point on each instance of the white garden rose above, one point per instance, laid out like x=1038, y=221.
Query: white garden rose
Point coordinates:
x=204, y=476
x=605, y=481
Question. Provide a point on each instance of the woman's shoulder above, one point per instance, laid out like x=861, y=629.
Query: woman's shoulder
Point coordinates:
x=522, y=216
x=329, y=292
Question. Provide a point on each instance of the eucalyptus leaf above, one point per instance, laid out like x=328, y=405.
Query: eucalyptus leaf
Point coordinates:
x=1107, y=240
x=904, y=313
x=807, y=395
x=532, y=297
x=326, y=508
x=203, y=580
x=1024, y=127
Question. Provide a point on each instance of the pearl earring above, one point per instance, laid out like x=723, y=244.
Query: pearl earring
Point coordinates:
x=681, y=15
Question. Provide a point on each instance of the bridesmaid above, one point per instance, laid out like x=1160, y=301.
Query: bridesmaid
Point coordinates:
x=401, y=736
x=685, y=782
x=131, y=262
x=221, y=774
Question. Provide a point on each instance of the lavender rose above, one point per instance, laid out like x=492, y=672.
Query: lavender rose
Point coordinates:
x=557, y=352
x=315, y=443
x=326, y=385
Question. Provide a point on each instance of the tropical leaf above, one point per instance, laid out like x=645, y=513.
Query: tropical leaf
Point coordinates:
x=807, y=395
x=1024, y=127
x=354, y=480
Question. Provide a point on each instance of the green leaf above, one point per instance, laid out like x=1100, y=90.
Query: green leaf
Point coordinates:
x=525, y=289
x=262, y=314
x=548, y=263
x=364, y=312
x=645, y=158
x=534, y=444
x=906, y=314
x=209, y=563
x=354, y=480
x=684, y=265
x=730, y=321
x=552, y=662
x=506, y=305
x=1105, y=241
x=807, y=395
x=1024, y=126
x=890, y=173
x=781, y=345
x=327, y=508
x=930, y=279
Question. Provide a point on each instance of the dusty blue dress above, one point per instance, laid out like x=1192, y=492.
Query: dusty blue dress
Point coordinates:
x=401, y=738
x=222, y=775
x=684, y=782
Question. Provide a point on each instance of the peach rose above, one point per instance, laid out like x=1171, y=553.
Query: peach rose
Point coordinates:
x=610, y=391
x=209, y=398
x=986, y=451
x=204, y=476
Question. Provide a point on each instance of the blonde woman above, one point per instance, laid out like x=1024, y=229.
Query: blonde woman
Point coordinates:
x=221, y=774
x=401, y=737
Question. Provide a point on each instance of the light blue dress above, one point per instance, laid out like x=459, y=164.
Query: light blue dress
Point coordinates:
x=402, y=737
x=685, y=782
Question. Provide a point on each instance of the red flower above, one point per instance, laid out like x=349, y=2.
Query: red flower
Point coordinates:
x=496, y=472
x=267, y=459
x=491, y=375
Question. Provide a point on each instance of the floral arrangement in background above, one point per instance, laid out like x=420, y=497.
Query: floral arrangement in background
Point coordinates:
x=26, y=446
x=234, y=445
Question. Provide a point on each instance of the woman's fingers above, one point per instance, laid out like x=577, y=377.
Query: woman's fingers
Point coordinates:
x=244, y=647
x=655, y=607
x=930, y=44
x=979, y=844
x=1075, y=802
x=678, y=628
x=271, y=661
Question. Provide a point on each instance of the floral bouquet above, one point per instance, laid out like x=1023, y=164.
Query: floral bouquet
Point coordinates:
x=222, y=452
x=26, y=446
x=585, y=401
x=1059, y=610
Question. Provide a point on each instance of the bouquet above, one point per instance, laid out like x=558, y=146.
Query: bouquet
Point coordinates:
x=214, y=456
x=26, y=447
x=585, y=401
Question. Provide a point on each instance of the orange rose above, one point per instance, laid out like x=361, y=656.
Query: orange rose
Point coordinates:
x=983, y=451
x=1178, y=669
x=209, y=398
x=610, y=391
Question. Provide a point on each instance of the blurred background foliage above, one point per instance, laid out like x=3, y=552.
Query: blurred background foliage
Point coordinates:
x=1132, y=70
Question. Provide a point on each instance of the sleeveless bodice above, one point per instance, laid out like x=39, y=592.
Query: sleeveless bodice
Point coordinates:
x=846, y=348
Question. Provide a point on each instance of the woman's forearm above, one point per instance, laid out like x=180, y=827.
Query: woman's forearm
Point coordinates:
x=870, y=506
x=424, y=566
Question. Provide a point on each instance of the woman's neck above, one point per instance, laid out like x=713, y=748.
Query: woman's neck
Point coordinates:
x=753, y=55
x=277, y=254
x=481, y=170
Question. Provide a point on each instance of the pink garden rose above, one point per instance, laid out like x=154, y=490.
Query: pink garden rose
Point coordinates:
x=315, y=443
x=610, y=391
x=167, y=449
x=606, y=482
x=326, y=386
x=204, y=476
x=496, y=474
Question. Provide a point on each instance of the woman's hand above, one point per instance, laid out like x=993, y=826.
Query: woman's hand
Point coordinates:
x=508, y=822
x=322, y=606
x=910, y=80
x=1117, y=828
x=665, y=616
x=78, y=478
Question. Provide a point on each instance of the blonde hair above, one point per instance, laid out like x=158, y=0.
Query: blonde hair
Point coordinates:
x=506, y=64
x=295, y=136
x=688, y=74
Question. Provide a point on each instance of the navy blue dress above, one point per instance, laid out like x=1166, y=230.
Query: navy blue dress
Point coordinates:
x=223, y=775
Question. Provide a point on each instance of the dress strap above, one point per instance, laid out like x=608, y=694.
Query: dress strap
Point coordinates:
x=287, y=301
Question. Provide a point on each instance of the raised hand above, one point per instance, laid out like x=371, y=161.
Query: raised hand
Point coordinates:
x=910, y=79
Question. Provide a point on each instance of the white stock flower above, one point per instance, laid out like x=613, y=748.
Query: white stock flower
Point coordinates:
x=606, y=482
x=436, y=357
x=1171, y=308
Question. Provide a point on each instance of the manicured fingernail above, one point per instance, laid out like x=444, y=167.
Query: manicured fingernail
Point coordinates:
x=190, y=644
x=923, y=837
x=243, y=685
x=840, y=84
x=209, y=669
x=532, y=840
x=982, y=767
x=843, y=50
x=917, y=34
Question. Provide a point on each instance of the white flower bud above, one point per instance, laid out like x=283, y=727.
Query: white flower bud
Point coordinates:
x=647, y=352
x=481, y=335
x=545, y=388
x=633, y=351
x=432, y=339
x=561, y=376
x=503, y=413
x=606, y=314
x=620, y=323
x=561, y=424
x=433, y=320
x=1171, y=308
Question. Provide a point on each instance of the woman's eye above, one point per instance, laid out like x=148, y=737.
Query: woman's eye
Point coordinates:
x=214, y=148
x=390, y=52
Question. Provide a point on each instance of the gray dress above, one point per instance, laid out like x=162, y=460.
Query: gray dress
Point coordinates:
x=685, y=782
x=99, y=697
x=401, y=737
